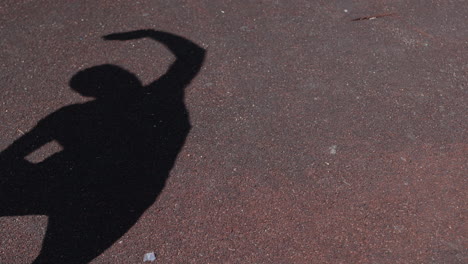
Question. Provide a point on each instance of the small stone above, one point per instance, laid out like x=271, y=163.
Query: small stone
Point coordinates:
x=149, y=257
x=333, y=149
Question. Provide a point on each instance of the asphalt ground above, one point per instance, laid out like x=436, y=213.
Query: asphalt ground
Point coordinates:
x=322, y=131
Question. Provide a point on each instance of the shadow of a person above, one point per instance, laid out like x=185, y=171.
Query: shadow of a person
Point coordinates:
x=117, y=153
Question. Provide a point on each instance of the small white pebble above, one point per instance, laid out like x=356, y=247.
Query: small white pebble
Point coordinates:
x=346, y=10
x=149, y=257
x=333, y=149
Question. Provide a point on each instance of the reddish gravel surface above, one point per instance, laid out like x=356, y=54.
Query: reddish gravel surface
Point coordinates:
x=315, y=138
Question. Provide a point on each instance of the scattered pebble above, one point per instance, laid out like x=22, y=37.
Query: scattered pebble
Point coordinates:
x=333, y=149
x=244, y=28
x=149, y=257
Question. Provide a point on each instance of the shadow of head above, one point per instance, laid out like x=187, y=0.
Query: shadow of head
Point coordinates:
x=106, y=82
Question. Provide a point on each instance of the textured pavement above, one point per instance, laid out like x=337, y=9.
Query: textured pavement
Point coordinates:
x=315, y=138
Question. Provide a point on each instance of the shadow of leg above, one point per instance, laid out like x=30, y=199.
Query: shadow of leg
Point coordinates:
x=81, y=232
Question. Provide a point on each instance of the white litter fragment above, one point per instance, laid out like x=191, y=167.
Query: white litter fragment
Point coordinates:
x=333, y=149
x=149, y=257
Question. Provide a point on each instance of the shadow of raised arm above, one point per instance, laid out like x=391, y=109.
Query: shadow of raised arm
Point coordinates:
x=189, y=58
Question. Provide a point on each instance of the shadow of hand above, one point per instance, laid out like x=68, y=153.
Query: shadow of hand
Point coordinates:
x=130, y=35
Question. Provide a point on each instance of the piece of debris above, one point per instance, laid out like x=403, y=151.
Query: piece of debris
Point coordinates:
x=149, y=257
x=333, y=149
x=373, y=17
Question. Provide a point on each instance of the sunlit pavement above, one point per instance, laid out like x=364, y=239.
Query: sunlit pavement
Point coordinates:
x=322, y=131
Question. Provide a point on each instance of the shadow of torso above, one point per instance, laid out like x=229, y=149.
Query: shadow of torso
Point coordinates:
x=114, y=163
x=110, y=153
